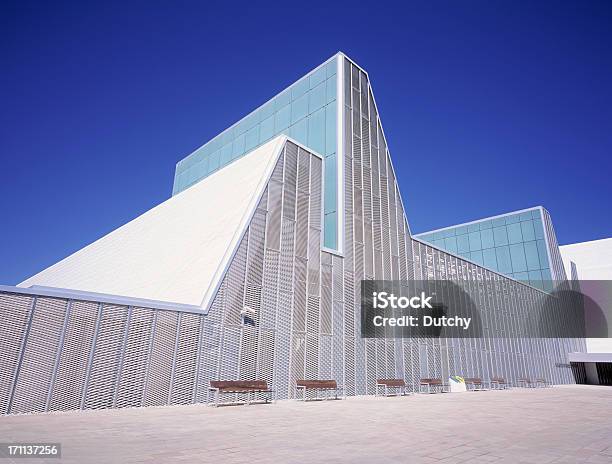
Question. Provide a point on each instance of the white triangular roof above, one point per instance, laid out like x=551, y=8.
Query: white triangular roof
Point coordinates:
x=178, y=251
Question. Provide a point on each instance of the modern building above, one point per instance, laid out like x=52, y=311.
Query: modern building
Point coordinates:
x=283, y=214
x=589, y=264
x=520, y=244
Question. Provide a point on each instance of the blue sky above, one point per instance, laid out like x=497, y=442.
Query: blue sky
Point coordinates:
x=488, y=106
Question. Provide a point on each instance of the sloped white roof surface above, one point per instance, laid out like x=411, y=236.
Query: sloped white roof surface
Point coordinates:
x=178, y=251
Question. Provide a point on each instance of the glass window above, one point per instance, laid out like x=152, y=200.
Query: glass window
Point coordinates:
x=504, y=264
x=316, y=98
x=462, y=230
x=330, y=227
x=522, y=276
x=226, y=154
x=487, y=238
x=543, y=253
x=330, y=180
x=317, y=77
x=299, y=131
x=238, y=146
x=538, y=228
x=331, y=67
x=517, y=254
x=512, y=219
x=535, y=279
x=450, y=244
x=463, y=244
x=486, y=225
x=476, y=256
x=526, y=216
x=299, y=109
x=251, y=138
x=514, y=233
x=316, y=131
x=500, y=235
x=266, y=129
x=527, y=230
x=330, y=129
x=214, y=161
x=281, y=121
x=475, y=243
x=498, y=222
x=531, y=256
x=489, y=259
x=331, y=88
x=299, y=88
x=282, y=100
x=473, y=227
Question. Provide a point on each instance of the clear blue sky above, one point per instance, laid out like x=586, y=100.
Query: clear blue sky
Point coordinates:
x=488, y=106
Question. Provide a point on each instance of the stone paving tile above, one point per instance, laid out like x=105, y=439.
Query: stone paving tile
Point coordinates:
x=556, y=425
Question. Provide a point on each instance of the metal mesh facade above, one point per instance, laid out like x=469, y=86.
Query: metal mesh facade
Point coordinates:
x=62, y=353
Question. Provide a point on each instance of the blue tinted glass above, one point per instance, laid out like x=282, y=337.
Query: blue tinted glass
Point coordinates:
x=522, y=276
x=266, y=129
x=473, y=227
x=316, y=131
x=504, y=264
x=487, y=238
x=281, y=118
x=226, y=154
x=282, y=99
x=299, y=131
x=299, y=109
x=489, y=259
x=512, y=219
x=330, y=179
x=330, y=129
x=331, y=88
x=461, y=230
x=528, y=231
x=251, y=139
x=330, y=227
x=317, y=77
x=475, y=243
x=535, y=279
x=526, y=216
x=476, y=256
x=299, y=88
x=531, y=256
x=238, y=146
x=500, y=236
x=543, y=253
x=514, y=233
x=316, y=98
x=450, y=244
x=486, y=224
x=517, y=254
x=214, y=161
x=539, y=228
x=498, y=222
x=331, y=67
x=463, y=244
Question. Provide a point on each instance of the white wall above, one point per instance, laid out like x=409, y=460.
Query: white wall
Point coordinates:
x=592, y=261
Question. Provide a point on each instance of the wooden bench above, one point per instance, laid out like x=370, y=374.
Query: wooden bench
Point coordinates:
x=477, y=382
x=320, y=385
x=499, y=383
x=238, y=387
x=432, y=383
x=387, y=384
x=525, y=382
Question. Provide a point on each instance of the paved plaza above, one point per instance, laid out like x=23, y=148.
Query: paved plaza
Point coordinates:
x=564, y=424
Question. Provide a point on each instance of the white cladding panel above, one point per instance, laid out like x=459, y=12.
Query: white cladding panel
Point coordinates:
x=177, y=251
